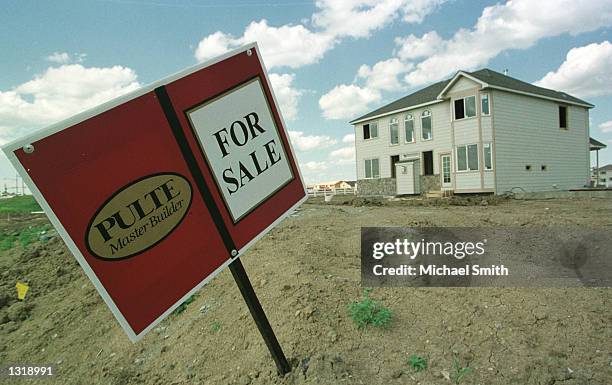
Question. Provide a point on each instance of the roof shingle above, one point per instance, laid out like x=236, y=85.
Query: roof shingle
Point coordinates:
x=492, y=78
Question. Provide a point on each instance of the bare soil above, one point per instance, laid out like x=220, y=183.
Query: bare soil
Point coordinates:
x=306, y=272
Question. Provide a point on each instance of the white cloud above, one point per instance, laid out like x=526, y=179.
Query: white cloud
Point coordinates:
x=285, y=46
x=314, y=166
x=287, y=96
x=65, y=58
x=214, y=45
x=58, y=93
x=384, y=74
x=584, y=73
x=517, y=24
x=346, y=101
x=344, y=155
x=59, y=57
x=413, y=47
x=295, y=45
x=359, y=18
x=606, y=127
x=348, y=138
x=310, y=142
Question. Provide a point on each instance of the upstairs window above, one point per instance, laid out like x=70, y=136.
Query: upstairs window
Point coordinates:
x=394, y=131
x=426, y=129
x=563, y=117
x=409, y=128
x=484, y=104
x=370, y=131
x=465, y=107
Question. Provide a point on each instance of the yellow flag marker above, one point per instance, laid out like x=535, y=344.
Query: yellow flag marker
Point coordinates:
x=22, y=289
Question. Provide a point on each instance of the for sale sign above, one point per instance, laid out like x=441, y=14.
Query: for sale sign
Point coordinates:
x=245, y=150
x=157, y=191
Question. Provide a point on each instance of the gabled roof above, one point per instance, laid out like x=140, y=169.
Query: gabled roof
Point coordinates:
x=486, y=77
x=596, y=144
x=497, y=80
x=426, y=95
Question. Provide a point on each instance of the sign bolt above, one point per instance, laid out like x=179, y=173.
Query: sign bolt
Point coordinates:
x=28, y=148
x=249, y=52
x=234, y=253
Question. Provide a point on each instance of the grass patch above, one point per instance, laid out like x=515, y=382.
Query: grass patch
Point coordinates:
x=25, y=236
x=459, y=372
x=19, y=204
x=369, y=312
x=216, y=327
x=417, y=363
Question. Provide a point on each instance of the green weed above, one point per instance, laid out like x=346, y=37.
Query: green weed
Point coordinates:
x=417, y=363
x=460, y=372
x=369, y=312
x=216, y=327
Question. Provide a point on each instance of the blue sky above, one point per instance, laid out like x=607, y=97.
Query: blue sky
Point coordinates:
x=331, y=60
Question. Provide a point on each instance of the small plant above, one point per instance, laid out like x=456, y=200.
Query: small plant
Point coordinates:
x=181, y=308
x=460, y=372
x=216, y=327
x=417, y=363
x=7, y=241
x=369, y=312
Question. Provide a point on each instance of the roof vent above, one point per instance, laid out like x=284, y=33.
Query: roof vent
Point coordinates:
x=506, y=71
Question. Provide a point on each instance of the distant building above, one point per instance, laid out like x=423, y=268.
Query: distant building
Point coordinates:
x=334, y=185
x=604, y=175
x=477, y=132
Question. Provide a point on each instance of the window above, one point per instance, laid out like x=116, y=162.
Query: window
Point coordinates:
x=484, y=104
x=563, y=117
x=394, y=160
x=372, y=169
x=467, y=157
x=465, y=107
x=488, y=159
x=428, y=163
x=394, y=131
x=426, y=130
x=409, y=128
x=459, y=111
x=370, y=130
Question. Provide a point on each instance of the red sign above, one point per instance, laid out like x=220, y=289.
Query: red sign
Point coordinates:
x=159, y=190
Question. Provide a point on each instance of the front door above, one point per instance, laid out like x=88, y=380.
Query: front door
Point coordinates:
x=445, y=161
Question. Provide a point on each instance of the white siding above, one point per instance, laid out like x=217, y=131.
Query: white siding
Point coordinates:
x=527, y=133
x=463, y=84
x=468, y=180
x=383, y=149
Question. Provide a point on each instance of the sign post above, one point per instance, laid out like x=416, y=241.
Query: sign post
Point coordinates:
x=259, y=316
x=139, y=186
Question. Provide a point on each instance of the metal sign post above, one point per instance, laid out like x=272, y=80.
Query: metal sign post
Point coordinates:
x=259, y=316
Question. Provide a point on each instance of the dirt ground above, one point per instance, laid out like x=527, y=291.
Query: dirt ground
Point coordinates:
x=306, y=272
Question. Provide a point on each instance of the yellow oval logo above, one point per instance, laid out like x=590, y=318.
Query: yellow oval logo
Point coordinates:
x=138, y=216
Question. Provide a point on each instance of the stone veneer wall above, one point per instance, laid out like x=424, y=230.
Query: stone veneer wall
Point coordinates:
x=378, y=186
x=430, y=183
x=388, y=186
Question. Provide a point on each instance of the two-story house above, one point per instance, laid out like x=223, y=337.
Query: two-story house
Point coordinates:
x=478, y=132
